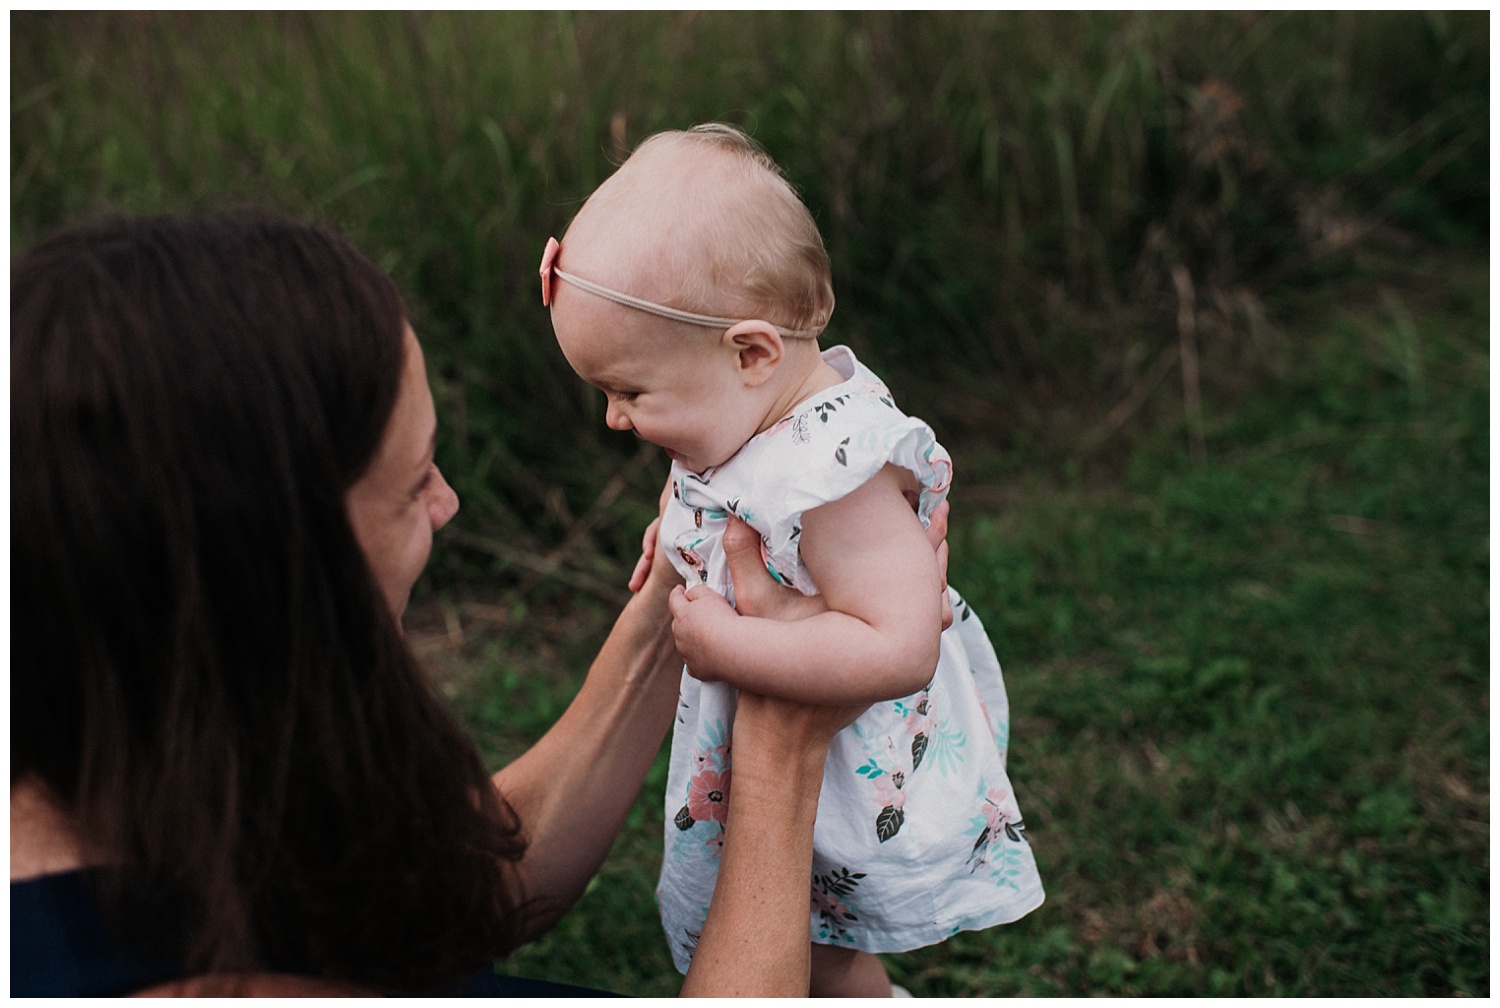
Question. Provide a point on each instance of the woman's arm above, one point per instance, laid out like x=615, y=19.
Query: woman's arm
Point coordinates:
x=573, y=788
x=873, y=563
x=756, y=940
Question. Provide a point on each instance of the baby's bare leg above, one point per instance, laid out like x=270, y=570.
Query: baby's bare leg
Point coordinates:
x=846, y=972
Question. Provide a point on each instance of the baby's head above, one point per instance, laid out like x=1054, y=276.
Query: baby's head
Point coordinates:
x=693, y=269
x=702, y=220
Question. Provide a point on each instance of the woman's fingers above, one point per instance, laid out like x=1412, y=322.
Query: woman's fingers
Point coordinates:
x=937, y=534
x=647, y=558
x=756, y=592
x=937, y=525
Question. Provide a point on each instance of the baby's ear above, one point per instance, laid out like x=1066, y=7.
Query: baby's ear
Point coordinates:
x=758, y=349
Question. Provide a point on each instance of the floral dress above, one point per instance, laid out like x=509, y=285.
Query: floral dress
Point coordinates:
x=918, y=835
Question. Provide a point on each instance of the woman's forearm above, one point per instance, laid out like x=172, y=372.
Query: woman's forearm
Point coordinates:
x=573, y=788
x=757, y=941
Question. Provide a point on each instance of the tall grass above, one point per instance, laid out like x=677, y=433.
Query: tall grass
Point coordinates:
x=1016, y=204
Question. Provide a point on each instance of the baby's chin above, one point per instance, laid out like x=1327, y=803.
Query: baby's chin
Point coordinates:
x=691, y=465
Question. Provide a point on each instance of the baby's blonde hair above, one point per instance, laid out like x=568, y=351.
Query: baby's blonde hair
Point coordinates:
x=757, y=242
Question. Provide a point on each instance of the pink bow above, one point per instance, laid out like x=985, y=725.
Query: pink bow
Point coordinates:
x=549, y=254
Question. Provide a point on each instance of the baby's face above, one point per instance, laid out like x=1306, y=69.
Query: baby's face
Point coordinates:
x=678, y=390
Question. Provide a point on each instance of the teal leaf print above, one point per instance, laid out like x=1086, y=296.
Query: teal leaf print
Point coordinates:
x=888, y=822
x=945, y=745
x=870, y=770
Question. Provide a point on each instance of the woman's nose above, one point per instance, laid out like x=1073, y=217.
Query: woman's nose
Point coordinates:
x=444, y=503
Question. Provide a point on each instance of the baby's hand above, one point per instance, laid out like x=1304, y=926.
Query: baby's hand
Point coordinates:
x=700, y=620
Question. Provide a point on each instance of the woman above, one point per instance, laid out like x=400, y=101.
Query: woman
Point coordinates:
x=223, y=489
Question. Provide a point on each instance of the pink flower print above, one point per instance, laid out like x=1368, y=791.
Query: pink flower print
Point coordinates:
x=824, y=903
x=998, y=824
x=828, y=892
x=918, y=717
x=889, y=792
x=891, y=801
x=1000, y=813
x=708, y=796
x=715, y=843
x=994, y=806
x=828, y=906
x=995, y=816
x=718, y=756
x=693, y=560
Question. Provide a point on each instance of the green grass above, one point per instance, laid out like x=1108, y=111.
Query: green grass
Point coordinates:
x=1247, y=641
x=1250, y=697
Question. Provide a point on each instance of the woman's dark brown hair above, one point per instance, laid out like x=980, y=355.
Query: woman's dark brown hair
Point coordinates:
x=204, y=673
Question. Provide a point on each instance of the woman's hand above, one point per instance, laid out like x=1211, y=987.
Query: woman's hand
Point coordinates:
x=648, y=556
x=698, y=611
x=652, y=558
x=702, y=618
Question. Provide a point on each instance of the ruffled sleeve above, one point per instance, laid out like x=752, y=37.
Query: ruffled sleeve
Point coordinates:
x=832, y=449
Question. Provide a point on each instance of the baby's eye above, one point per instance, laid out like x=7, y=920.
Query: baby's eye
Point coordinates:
x=624, y=396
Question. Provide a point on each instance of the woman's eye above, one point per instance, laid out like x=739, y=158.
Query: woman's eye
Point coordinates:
x=423, y=486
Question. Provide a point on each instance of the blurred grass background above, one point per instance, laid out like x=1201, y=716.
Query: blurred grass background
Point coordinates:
x=1199, y=301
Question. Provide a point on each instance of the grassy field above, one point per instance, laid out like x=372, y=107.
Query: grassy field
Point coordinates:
x=1200, y=302
x=1250, y=696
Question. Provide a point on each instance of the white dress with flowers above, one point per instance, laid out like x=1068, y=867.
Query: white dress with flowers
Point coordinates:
x=918, y=834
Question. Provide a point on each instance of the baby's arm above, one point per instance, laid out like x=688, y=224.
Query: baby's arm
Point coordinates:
x=872, y=561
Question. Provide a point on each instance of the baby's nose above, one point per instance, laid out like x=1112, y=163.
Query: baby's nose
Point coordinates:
x=615, y=418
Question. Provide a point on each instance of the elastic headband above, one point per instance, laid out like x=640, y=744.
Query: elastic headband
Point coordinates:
x=551, y=274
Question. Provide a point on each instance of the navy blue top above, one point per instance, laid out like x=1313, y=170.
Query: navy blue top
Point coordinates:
x=60, y=946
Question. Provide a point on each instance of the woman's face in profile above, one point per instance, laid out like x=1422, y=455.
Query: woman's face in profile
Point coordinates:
x=402, y=498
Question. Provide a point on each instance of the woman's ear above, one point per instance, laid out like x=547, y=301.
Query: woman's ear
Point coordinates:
x=758, y=349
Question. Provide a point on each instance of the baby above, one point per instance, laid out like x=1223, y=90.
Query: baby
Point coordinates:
x=691, y=289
